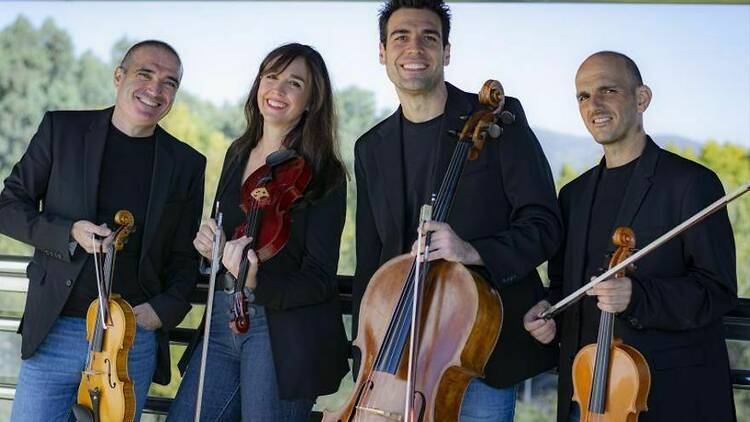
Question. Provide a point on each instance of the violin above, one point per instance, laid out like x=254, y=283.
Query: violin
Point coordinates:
x=106, y=392
x=611, y=380
x=266, y=197
x=427, y=328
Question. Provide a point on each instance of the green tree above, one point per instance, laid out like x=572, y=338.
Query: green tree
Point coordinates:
x=356, y=112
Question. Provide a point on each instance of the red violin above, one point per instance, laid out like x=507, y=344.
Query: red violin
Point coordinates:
x=266, y=197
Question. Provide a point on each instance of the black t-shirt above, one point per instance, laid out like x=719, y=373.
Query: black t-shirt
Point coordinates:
x=124, y=183
x=420, y=149
x=610, y=190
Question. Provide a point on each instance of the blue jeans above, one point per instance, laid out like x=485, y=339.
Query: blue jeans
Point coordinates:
x=48, y=382
x=483, y=403
x=575, y=412
x=240, y=380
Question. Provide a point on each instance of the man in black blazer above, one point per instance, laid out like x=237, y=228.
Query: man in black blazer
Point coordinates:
x=670, y=307
x=78, y=170
x=504, y=221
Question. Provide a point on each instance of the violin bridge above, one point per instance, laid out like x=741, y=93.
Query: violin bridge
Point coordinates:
x=393, y=416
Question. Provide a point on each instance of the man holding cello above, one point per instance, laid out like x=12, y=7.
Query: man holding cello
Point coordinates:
x=79, y=169
x=504, y=220
x=670, y=307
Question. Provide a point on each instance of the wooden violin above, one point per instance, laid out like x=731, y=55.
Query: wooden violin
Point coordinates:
x=106, y=393
x=611, y=380
x=426, y=329
x=266, y=198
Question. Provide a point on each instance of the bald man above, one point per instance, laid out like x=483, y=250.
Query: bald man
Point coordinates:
x=670, y=307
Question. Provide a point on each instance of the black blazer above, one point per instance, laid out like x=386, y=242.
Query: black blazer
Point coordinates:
x=60, y=171
x=505, y=207
x=680, y=291
x=299, y=291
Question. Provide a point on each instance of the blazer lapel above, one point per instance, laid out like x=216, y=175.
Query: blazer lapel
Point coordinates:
x=638, y=186
x=94, y=141
x=161, y=178
x=390, y=166
x=226, y=174
x=580, y=212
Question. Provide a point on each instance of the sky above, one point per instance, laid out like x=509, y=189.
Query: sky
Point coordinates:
x=695, y=58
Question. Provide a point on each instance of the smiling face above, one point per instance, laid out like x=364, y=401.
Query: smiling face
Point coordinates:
x=610, y=101
x=413, y=54
x=283, y=96
x=146, y=87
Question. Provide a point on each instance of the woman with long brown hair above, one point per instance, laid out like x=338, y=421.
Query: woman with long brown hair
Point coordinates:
x=295, y=348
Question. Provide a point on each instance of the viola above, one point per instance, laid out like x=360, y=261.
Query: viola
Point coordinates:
x=106, y=392
x=426, y=329
x=266, y=197
x=611, y=380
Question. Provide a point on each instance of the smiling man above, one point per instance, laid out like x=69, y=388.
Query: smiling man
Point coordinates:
x=670, y=307
x=504, y=220
x=79, y=169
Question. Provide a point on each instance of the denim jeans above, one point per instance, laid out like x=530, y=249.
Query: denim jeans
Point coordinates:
x=240, y=378
x=483, y=403
x=48, y=382
x=575, y=412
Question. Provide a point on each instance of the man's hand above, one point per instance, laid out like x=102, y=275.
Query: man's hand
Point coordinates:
x=146, y=317
x=233, y=256
x=445, y=244
x=542, y=330
x=613, y=295
x=82, y=232
x=204, y=239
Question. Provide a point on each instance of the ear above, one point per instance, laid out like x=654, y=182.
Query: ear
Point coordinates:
x=119, y=75
x=644, y=98
x=447, y=55
x=381, y=53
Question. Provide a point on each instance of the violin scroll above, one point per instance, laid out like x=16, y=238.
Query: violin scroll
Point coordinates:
x=126, y=221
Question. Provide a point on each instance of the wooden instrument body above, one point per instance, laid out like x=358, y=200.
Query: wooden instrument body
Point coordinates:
x=460, y=325
x=611, y=380
x=626, y=396
x=108, y=369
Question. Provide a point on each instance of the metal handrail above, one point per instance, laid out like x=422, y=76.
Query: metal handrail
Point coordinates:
x=13, y=279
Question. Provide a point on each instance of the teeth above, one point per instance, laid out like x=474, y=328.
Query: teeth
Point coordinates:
x=276, y=104
x=148, y=102
x=602, y=119
x=414, y=66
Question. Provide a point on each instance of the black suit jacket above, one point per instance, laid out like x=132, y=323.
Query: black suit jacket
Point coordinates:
x=680, y=291
x=60, y=171
x=505, y=207
x=299, y=291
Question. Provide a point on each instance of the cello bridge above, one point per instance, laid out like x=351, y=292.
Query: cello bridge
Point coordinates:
x=393, y=416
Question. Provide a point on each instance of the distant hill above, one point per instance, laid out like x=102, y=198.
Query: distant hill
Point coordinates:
x=582, y=152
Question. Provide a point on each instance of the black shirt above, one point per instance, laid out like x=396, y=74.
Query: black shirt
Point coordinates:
x=610, y=190
x=420, y=146
x=124, y=183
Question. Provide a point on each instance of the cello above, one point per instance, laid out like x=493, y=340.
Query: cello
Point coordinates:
x=426, y=329
x=106, y=393
x=611, y=380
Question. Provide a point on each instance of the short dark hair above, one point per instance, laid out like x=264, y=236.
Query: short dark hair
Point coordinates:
x=438, y=6
x=630, y=65
x=150, y=43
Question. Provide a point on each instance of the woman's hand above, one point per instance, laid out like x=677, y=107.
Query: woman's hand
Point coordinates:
x=233, y=257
